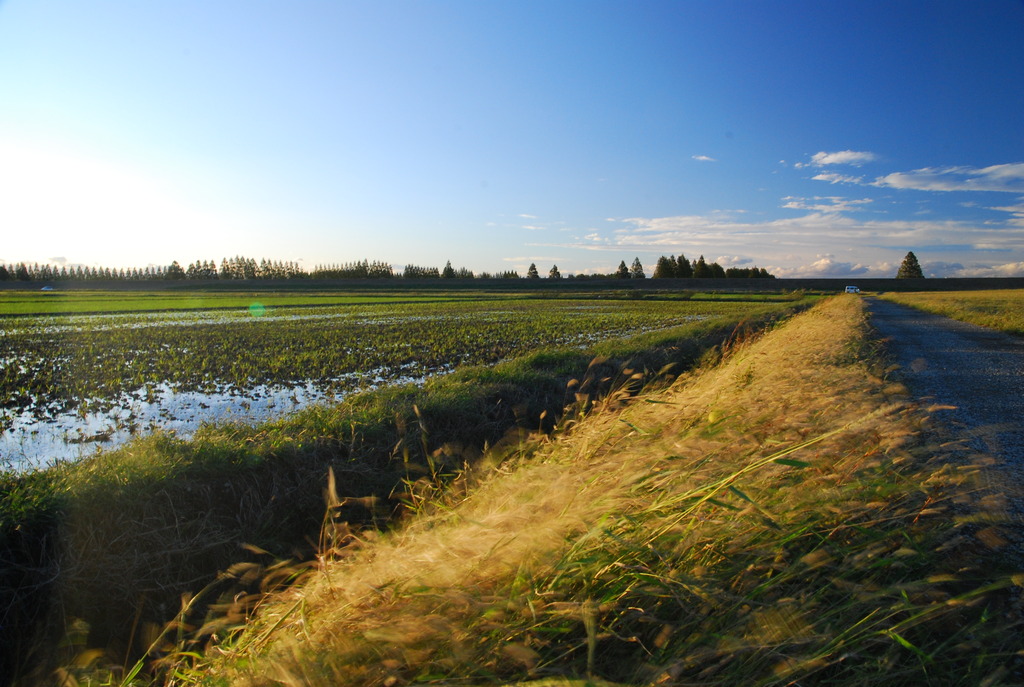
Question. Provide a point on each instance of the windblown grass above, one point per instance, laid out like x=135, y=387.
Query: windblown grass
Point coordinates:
x=109, y=545
x=784, y=517
x=998, y=309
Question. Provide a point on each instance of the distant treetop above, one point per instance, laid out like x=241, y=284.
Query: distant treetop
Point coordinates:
x=910, y=268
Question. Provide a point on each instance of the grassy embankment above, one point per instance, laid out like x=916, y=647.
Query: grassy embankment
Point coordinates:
x=998, y=309
x=785, y=517
x=116, y=539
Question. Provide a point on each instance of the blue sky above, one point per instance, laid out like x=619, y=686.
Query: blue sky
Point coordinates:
x=812, y=138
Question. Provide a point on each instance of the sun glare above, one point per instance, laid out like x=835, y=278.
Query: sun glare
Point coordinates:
x=90, y=209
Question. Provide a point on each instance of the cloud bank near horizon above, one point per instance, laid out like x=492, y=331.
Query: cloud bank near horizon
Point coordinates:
x=785, y=246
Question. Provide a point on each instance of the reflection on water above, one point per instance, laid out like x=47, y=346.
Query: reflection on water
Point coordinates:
x=47, y=431
x=31, y=442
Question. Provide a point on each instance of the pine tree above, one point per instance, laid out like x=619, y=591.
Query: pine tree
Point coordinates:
x=622, y=272
x=665, y=268
x=532, y=272
x=174, y=271
x=911, y=268
x=449, y=271
x=636, y=271
x=554, y=273
x=684, y=269
x=701, y=269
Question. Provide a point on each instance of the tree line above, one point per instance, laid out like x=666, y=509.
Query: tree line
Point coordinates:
x=240, y=267
x=230, y=268
x=672, y=267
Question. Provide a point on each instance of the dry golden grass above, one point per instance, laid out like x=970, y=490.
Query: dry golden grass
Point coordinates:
x=783, y=515
x=999, y=309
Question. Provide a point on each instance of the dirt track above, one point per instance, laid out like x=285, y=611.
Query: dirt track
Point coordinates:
x=981, y=372
x=978, y=370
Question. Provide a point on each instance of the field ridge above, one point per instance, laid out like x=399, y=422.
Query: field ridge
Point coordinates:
x=786, y=515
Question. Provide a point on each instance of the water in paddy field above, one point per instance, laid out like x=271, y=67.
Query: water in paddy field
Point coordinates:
x=49, y=432
x=31, y=442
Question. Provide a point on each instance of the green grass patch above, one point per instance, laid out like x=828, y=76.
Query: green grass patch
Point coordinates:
x=97, y=302
x=70, y=302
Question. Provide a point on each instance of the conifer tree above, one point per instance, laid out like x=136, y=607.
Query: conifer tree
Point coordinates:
x=636, y=271
x=684, y=269
x=911, y=268
x=174, y=271
x=554, y=273
x=665, y=268
x=701, y=269
x=448, y=272
x=532, y=272
x=622, y=272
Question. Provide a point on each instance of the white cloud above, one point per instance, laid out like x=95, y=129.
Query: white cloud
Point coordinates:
x=824, y=266
x=1010, y=269
x=1007, y=178
x=833, y=204
x=843, y=157
x=703, y=158
x=825, y=236
x=837, y=178
x=828, y=266
x=941, y=269
x=533, y=227
x=1016, y=210
x=732, y=260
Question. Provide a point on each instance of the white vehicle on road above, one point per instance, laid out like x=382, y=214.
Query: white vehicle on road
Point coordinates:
x=852, y=289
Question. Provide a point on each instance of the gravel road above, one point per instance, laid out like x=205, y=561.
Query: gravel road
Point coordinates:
x=978, y=370
x=981, y=372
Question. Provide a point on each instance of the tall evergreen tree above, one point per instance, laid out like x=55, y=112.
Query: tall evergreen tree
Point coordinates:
x=665, y=268
x=911, y=268
x=532, y=272
x=636, y=271
x=174, y=271
x=448, y=272
x=701, y=269
x=622, y=272
x=684, y=269
x=554, y=273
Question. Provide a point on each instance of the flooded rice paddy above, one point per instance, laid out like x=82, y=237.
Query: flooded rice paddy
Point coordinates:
x=70, y=385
